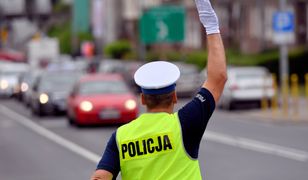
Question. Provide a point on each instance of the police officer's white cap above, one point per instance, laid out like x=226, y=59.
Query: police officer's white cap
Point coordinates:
x=157, y=75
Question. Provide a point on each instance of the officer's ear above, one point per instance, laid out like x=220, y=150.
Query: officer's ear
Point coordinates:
x=174, y=97
x=142, y=99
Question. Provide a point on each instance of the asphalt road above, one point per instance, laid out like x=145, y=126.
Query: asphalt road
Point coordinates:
x=236, y=146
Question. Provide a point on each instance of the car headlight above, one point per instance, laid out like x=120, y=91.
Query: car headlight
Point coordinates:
x=86, y=106
x=4, y=84
x=44, y=98
x=130, y=104
x=24, y=87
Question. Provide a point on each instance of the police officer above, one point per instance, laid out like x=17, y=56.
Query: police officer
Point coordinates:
x=161, y=144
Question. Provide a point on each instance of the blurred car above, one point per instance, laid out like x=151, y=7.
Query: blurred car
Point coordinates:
x=190, y=81
x=101, y=99
x=81, y=66
x=11, y=55
x=26, y=82
x=111, y=66
x=126, y=68
x=50, y=91
x=130, y=68
x=246, y=85
x=9, y=74
x=61, y=66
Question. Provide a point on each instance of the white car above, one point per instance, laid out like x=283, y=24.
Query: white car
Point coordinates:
x=9, y=74
x=246, y=84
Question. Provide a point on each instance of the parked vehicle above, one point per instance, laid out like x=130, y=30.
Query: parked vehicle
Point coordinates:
x=26, y=82
x=130, y=67
x=246, y=85
x=101, y=99
x=111, y=66
x=50, y=91
x=9, y=73
x=126, y=68
x=189, y=82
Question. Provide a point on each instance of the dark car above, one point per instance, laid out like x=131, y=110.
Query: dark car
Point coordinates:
x=50, y=91
x=25, y=83
x=189, y=81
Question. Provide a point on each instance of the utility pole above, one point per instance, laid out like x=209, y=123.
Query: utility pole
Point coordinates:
x=284, y=67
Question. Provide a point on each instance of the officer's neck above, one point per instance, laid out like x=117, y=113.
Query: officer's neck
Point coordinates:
x=168, y=110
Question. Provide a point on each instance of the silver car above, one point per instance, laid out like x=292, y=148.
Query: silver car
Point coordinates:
x=190, y=80
x=246, y=84
x=9, y=74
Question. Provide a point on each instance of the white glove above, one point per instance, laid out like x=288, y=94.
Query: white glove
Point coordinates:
x=207, y=16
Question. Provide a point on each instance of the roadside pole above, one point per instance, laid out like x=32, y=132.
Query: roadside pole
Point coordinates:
x=284, y=68
x=295, y=96
x=306, y=88
x=274, y=101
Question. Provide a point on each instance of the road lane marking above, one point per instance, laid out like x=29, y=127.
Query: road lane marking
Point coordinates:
x=258, y=146
x=50, y=135
x=238, y=142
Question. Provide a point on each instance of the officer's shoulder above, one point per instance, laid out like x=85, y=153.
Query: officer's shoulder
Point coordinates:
x=131, y=123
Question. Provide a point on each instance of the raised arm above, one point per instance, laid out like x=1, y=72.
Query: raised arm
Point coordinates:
x=216, y=66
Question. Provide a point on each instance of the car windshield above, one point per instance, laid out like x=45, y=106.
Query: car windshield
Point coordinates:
x=102, y=87
x=250, y=75
x=58, y=82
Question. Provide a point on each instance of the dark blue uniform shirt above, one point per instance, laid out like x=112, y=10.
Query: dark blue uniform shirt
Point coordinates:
x=193, y=117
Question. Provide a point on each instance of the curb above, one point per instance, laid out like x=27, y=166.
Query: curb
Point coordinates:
x=279, y=117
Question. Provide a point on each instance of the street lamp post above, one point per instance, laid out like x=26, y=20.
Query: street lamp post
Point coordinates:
x=284, y=67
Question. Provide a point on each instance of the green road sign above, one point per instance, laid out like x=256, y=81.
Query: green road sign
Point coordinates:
x=81, y=20
x=162, y=24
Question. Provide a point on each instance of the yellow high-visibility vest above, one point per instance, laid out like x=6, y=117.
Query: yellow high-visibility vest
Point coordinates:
x=151, y=148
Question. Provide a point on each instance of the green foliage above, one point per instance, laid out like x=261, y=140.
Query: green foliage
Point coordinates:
x=85, y=36
x=63, y=33
x=132, y=55
x=152, y=56
x=297, y=63
x=238, y=59
x=198, y=58
x=270, y=59
x=61, y=7
x=170, y=56
x=118, y=49
x=174, y=56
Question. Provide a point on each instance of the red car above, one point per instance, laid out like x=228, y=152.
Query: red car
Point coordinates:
x=101, y=99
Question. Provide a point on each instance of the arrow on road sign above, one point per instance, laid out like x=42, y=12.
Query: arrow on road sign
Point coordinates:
x=163, y=30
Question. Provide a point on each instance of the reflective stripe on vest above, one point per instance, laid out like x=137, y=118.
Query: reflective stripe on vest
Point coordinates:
x=151, y=147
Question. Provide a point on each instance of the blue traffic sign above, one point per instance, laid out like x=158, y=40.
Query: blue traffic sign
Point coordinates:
x=283, y=22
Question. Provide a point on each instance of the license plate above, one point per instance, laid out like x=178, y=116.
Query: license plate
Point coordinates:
x=109, y=114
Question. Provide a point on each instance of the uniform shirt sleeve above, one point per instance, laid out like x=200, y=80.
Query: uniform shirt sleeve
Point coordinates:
x=110, y=160
x=194, y=117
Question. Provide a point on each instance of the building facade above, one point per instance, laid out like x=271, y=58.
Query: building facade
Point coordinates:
x=245, y=24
